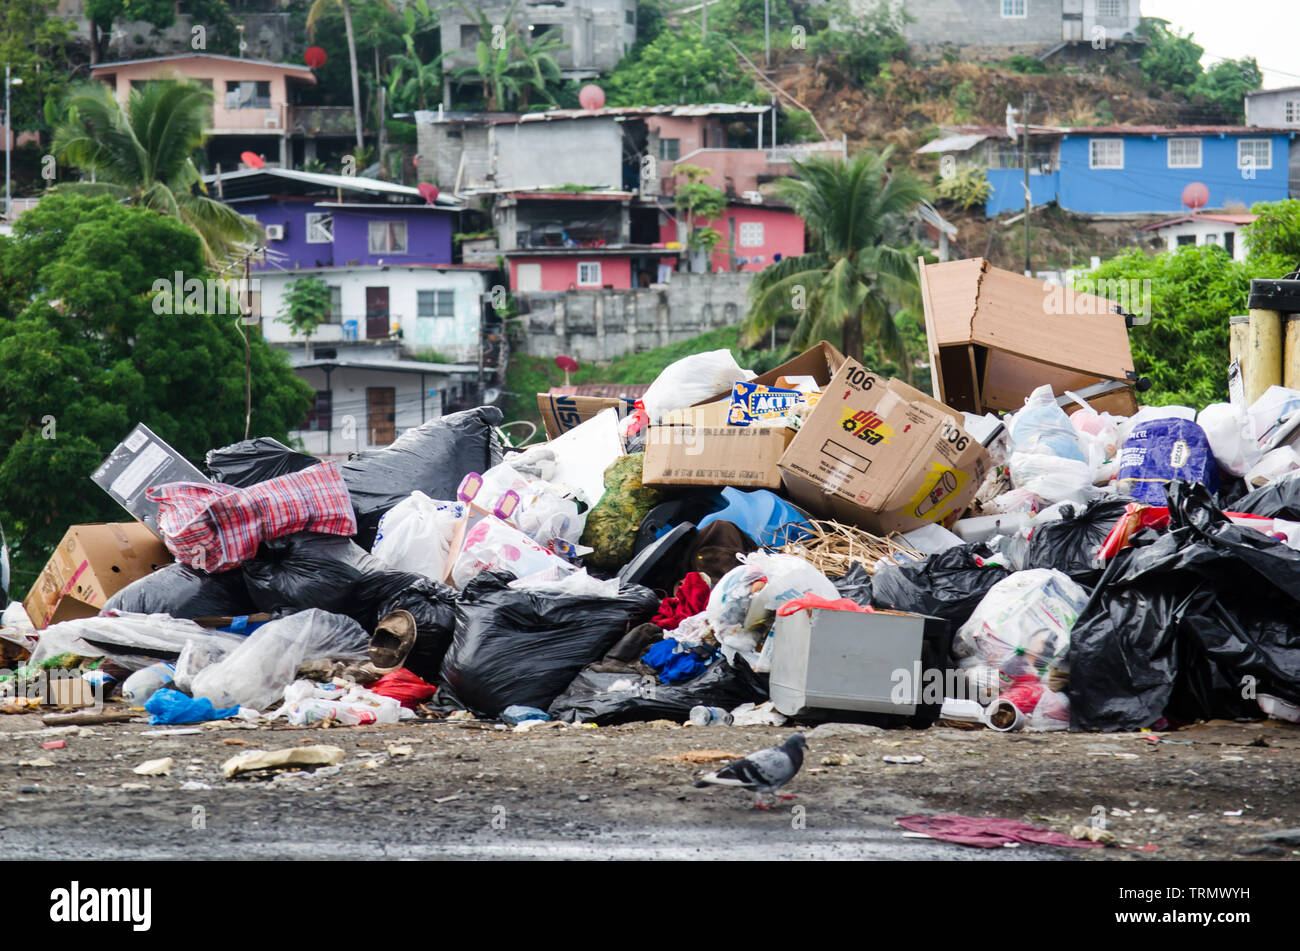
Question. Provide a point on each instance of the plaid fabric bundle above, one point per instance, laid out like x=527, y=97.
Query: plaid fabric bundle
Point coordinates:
x=214, y=527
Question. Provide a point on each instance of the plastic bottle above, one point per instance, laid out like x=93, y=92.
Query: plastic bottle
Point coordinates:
x=142, y=684
x=710, y=716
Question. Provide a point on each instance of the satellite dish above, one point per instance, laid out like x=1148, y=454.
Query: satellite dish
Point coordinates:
x=568, y=365
x=591, y=97
x=251, y=159
x=491, y=395
x=314, y=57
x=1196, y=196
x=429, y=191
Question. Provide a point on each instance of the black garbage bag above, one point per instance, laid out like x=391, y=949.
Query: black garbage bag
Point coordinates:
x=185, y=592
x=1070, y=544
x=1232, y=489
x=433, y=457
x=855, y=585
x=949, y=585
x=255, y=460
x=1278, y=499
x=433, y=606
x=589, y=698
x=330, y=572
x=515, y=646
x=1192, y=625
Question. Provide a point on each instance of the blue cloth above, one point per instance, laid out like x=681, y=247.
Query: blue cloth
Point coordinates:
x=762, y=515
x=660, y=653
x=172, y=706
x=686, y=666
x=516, y=713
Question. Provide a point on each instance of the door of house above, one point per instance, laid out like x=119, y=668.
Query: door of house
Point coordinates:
x=381, y=413
x=376, y=313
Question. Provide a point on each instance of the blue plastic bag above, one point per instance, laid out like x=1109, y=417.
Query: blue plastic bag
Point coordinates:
x=172, y=706
x=1165, y=450
x=762, y=515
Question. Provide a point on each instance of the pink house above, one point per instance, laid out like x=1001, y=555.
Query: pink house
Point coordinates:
x=756, y=235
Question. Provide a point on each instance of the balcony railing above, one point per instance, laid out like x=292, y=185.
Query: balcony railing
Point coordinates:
x=318, y=120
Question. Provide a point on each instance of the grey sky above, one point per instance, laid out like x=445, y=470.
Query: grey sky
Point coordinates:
x=1264, y=29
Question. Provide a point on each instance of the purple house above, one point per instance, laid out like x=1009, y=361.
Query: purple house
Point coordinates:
x=312, y=219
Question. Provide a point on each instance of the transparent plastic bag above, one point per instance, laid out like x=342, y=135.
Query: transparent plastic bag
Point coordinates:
x=742, y=604
x=416, y=535
x=256, y=672
x=133, y=641
x=1051, y=478
x=690, y=380
x=1043, y=427
x=492, y=543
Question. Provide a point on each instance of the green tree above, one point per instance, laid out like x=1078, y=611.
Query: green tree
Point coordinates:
x=860, y=45
x=413, y=78
x=1171, y=61
x=30, y=41
x=850, y=279
x=537, y=66
x=680, y=67
x=1273, y=239
x=967, y=187
x=318, y=10
x=1224, y=86
x=84, y=357
x=1184, y=348
x=102, y=14
x=697, y=200
x=306, y=307
x=144, y=154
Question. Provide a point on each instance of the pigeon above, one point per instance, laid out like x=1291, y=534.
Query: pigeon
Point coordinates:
x=763, y=772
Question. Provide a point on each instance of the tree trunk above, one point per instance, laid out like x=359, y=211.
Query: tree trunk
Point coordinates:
x=851, y=336
x=356, y=82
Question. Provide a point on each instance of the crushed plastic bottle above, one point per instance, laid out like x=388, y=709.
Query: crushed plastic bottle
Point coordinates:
x=147, y=681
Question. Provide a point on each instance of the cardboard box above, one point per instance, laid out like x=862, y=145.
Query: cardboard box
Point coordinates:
x=819, y=362
x=994, y=336
x=562, y=413
x=91, y=564
x=743, y=456
x=888, y=662
x=880, y=454
x=142, y=460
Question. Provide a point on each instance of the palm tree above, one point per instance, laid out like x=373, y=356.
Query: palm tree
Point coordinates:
x=849, y=279
x=508, y=65
x=411, y=79
x=538, y=65
x=318, y=10
x=144, y=154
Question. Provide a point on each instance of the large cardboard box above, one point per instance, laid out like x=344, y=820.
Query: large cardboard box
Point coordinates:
x=995, y=336
x=562, y=413
x=888, y=662
x=91, y=564
x=882, y=455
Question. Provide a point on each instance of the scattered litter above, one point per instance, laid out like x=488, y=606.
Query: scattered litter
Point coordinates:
x=904, y=760
x=292, y=757
x=155, y=767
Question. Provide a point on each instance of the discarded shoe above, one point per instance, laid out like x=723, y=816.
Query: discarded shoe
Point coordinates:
x=393, y=639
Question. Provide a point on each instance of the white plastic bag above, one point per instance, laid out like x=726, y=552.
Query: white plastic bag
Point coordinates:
x=690, y=380
x=256, y=672
x=1273, y=466
x=1231, y=436
x=416, y=535
x=492, y=543
x=742, y=604
x=1043, y=427
x=584, y=453
x=1272, y=408
x=1022, y=626
x=1051, y=478
x=133, y=641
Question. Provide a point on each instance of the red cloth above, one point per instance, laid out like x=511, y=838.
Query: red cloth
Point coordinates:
x=690, y=598
x=213, y=526
x=825, y=604
x=403, y=685
x=989, y=833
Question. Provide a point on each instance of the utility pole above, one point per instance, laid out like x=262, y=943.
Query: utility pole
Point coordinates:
x=704, y=18
x=1029, y=200
x=767, y=33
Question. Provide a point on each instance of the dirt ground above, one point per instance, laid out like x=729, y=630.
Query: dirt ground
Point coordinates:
x=445, y=789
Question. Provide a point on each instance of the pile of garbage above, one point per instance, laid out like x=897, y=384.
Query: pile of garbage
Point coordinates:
x=816, y=543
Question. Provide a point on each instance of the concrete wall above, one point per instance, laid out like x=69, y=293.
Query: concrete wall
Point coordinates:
x=1269, y=108
x=783, y=234
x=350, y=429
x=979, y=24
x=574, y=151
x=602, y=325
x=1205, y=232
x=597, y=32
x=561, y=273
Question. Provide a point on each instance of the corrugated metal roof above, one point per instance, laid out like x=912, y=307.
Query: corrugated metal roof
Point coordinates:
x=329, y=180
x=388, y=366
x=1000, y=132
x=953, y=143
x=1223, y=218
x=296, y=67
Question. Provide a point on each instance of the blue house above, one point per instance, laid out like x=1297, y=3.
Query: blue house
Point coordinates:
x=1125, y=170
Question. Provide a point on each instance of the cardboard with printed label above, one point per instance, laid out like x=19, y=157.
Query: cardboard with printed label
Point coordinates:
x=696, y=446
x=561, y=413
x=880, y=454
x=91, y=564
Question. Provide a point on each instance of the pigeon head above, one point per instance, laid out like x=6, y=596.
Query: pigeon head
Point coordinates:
x=796, y=740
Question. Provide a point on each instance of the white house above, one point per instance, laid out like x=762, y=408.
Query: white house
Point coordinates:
x=428, y=307
x=1221, y=228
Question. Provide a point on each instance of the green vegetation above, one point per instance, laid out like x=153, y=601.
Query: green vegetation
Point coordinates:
x=509, y=66
x=306, y=307
x=1172, y=61
x=859, y=46
x=680, y=67
x=1273, y=240
x=84, y=357
x=968, y=187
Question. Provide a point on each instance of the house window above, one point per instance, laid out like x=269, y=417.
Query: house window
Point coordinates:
x=388, y=237
x=1254, y=153
x=320, y=418
x=320, y=227
x=248, y=95
x=589, y=274
x=1105, y=153
x=1293, y=110
x=1013, y=9
x=1184, y=153
x=670, y=149
x=629, y=17
x=751, y=234
x=469, y=36
x=436, y=303
x=336, y=305
x=1110, y=8
x=1186, y=240
x=1230, y=243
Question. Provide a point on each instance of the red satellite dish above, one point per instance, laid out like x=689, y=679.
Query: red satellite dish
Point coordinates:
x=591, y=97
x=429, y=191
x=251, y=159
x=568, y=365
x=1196, y=196
x=314, y=57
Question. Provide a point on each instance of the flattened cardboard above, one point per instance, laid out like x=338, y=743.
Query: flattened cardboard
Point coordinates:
x=140, y=461
x=883, y=455
x=562, y=413
x=91, y=564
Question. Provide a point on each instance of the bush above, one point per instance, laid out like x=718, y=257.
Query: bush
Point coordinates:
x=966, y=188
